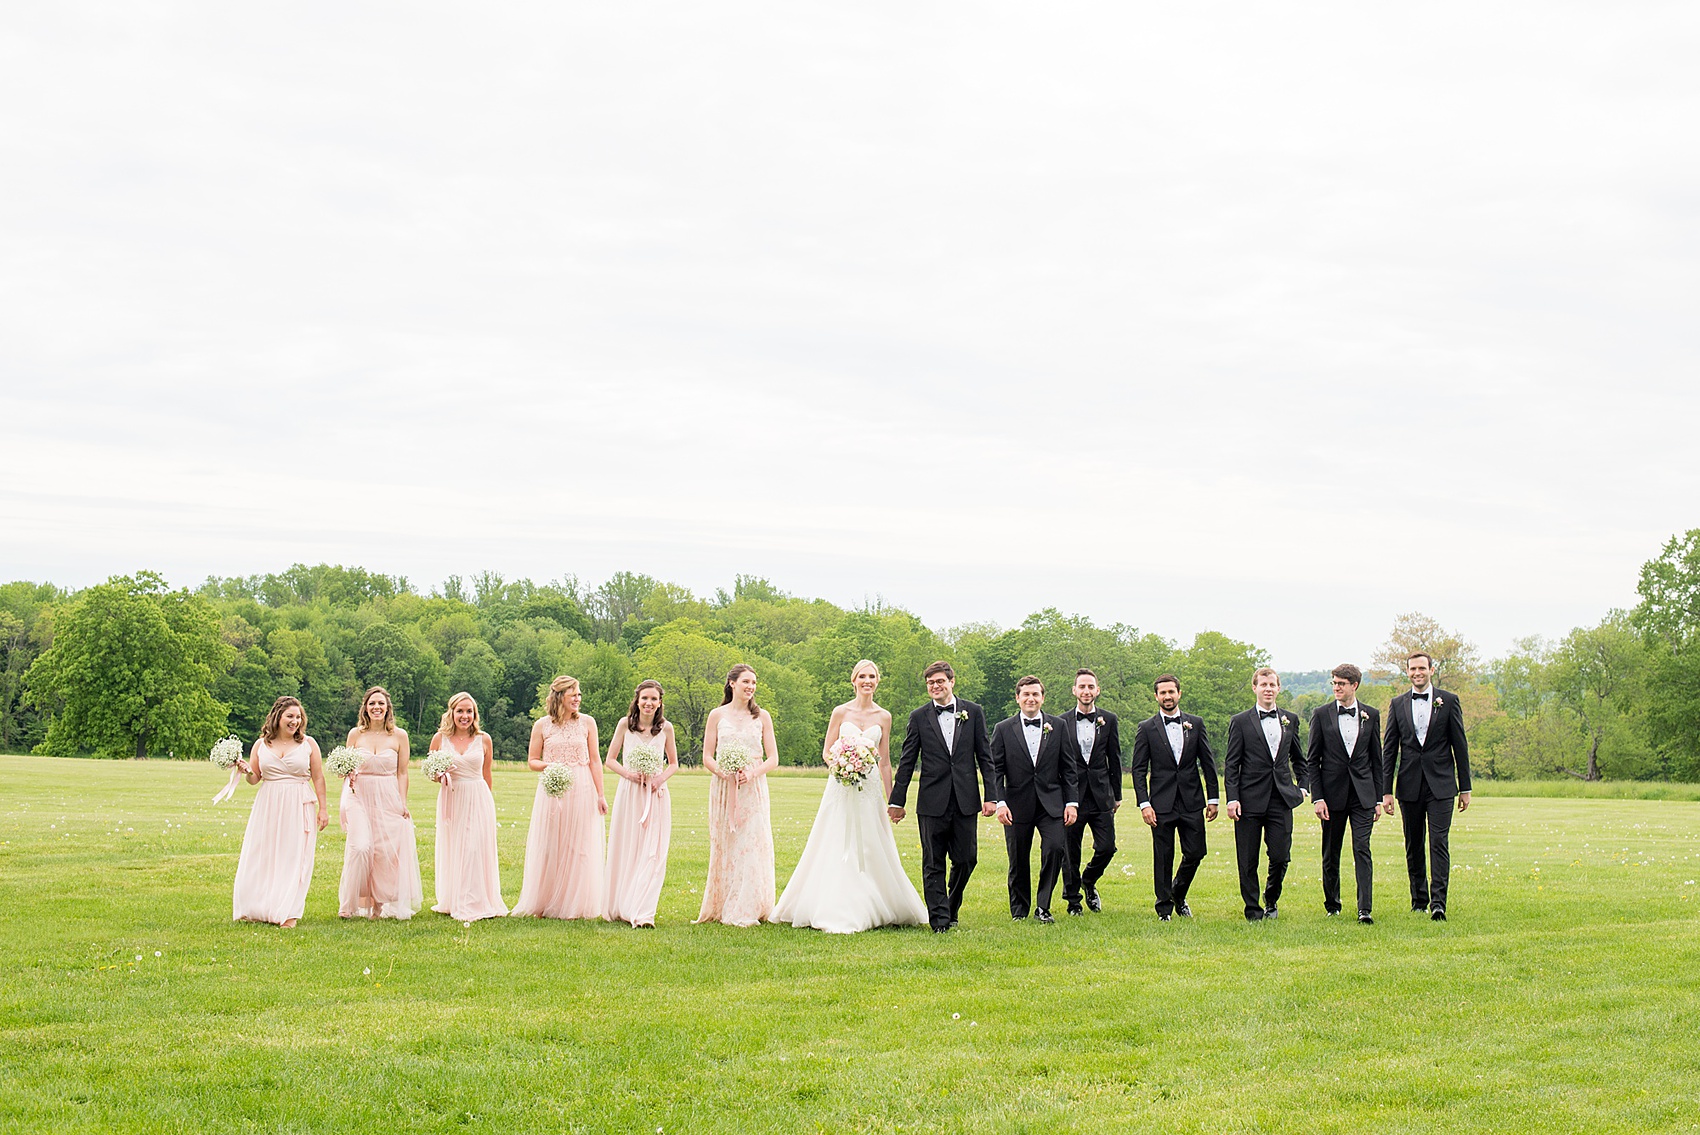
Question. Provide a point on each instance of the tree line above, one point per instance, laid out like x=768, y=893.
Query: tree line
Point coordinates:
x=132, y=667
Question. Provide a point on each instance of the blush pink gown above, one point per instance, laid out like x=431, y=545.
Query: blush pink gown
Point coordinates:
x=563, y=848
x=469, y=878
x=639, y=825
x=283, y=830
x=380, y=861
x=740, y=886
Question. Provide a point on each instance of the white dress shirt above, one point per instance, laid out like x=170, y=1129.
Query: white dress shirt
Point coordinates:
x=1348, y=725
x=1033, y=735
x=1087, y=734
x=1271, y=732
x=1421, y=710
x=947, y=723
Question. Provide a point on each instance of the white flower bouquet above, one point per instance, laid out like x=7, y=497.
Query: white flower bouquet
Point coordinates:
x=343, y=762
x=556, y=779
x=732, y=758
x=851, y=762
x=437, y=764
x=646, y=761
x=226, y=753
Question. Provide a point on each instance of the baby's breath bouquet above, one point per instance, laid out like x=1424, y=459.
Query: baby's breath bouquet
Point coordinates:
x=343, y=762
x=437, y=764
x=646, y=761
x=732, y=758
x=556, y=779
x=226, y=753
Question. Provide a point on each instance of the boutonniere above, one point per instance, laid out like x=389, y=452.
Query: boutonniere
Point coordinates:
x=1285, y=720
x=962, y=715
x=1362, y=716
x=1438, y=702
x=1044, y=729
x=1186, y=725
x=1100, y=723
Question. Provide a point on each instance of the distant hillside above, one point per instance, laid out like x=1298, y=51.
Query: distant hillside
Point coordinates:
x=1307, y=682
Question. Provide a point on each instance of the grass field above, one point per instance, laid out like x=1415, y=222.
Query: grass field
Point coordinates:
x=1564, y=995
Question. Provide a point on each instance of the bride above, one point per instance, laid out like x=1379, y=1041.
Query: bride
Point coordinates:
x=850, y=877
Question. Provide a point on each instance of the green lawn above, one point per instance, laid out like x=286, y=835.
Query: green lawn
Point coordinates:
x=1564, y=995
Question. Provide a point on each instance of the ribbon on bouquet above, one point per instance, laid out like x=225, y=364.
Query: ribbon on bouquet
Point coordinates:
x=648, y=795
x=229, y=788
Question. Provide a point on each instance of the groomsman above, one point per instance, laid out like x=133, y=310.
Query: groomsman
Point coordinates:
x=1170, y=750
x=948, y=737
x=1264, y=770
x=1426, y=726
x=1092, y=740
x=1346, y=785
x=1037, y=791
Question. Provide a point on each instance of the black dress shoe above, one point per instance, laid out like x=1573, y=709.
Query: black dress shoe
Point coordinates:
x=1018, y=917
x=1092, y=899
x=1270, y=912
x=1417, y=908
x=1332, y=913
x=1163, y=918
x=1254, y=916
x=1184, y=910
x=1044, y=916
x=1363, y=917
x=1438, y=914
x=940, y=929
x=1075, y=910
x=952, y=924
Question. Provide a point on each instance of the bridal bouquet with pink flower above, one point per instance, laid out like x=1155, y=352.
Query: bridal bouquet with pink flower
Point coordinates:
x=851, y=762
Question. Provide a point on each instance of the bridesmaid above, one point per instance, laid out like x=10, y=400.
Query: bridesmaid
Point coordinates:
x=469, y=880
x=563, y=849
x=380, y=861
x=289, y=813
x=740, y=887
x=643, y=813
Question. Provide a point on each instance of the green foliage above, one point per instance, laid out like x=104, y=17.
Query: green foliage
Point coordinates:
x=131, y=668
x=26, y=627
x=1215, y=673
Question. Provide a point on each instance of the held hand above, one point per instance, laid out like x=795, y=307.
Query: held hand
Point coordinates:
x=1387, y=804
x=1149, y=815
x=1234, y=810
x=895, y=813
x=988, y=809
x=243, y=765
x=1209, y=812
x=1004, y=816
x=1070, y=815
x=1322, y=809
x=1463, y=801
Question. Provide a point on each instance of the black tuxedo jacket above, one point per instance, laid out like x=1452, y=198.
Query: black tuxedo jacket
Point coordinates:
x=1032, y=787
x=1172, y=788
x=1101, y=777
x=945, y=772
x=1345, y=780
x=1444, y=762
x=1260, y=784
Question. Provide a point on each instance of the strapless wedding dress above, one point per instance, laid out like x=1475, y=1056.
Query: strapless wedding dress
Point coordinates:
x=850, y=877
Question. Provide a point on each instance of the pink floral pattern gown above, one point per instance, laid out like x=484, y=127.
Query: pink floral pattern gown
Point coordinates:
x=380, y=860
x=639, y=826
x=563, y=849
x=740, y=887
x=469, y=876
x=283, y=830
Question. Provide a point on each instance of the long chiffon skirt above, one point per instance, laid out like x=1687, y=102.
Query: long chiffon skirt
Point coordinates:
x=380, y=861
x=277, y=853
x=469, y=878
x=637, y=851
x=739, y=890
x=563, y=854
x=850, y=877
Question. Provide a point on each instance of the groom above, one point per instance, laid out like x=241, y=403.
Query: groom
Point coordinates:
x=951, y=735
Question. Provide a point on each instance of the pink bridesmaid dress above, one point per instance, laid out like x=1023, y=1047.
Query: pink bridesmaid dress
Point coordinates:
x=469, y=879
x=283, y=830
x=380, y=861
x=639, y=825
x=563, y=849
x=740, y=886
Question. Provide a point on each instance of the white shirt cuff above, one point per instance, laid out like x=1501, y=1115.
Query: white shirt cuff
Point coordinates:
x=1072, y=804
x=1144, y=804
x=1214, y=801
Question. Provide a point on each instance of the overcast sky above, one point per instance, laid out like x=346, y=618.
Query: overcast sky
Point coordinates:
x=1273, y=320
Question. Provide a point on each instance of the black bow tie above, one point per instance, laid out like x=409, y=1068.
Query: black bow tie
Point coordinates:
x=1168, y=721
x=943, y=708
x=1032, y=722
x=1348, y=711
x=1266, y=714
x=1419, y=697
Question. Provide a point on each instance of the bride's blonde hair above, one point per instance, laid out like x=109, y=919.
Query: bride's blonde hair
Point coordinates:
x=857, y=669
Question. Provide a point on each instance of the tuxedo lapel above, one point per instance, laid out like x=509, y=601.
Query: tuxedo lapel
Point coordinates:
x=932, y=712
x=1334, y=719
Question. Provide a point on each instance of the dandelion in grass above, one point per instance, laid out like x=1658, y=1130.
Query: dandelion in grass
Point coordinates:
x=226, y=753
x=437, y=764
x=851, y=762
x=343, y=762
x=556, y=779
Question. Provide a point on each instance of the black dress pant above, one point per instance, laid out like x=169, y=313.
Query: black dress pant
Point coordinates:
x=1362, y=821
x=1172, y=886
x=1275, y=830
x=952, y=838
x=1103, y=825
x=1434, y=814
x=1053, y=861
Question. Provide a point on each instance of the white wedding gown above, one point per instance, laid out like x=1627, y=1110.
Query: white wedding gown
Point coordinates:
x=850, y=877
